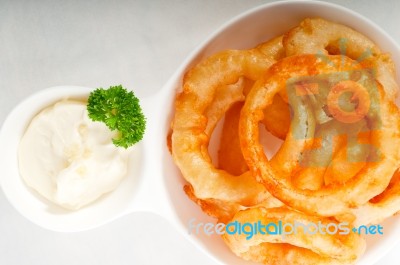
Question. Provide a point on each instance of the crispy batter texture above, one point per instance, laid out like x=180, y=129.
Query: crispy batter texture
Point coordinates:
x=226, y=95
x=324, y=172
x=380, y=207
x=317, y=35
x=230, y=157
x=350, y=159
x=223, y=211
x=371, y=181
x=278, y=111
x=293, y=248
x=339, y=152
x=189, y=135
x=321, y=37
x=203, y=101
x=383, y=69
x=277, y=117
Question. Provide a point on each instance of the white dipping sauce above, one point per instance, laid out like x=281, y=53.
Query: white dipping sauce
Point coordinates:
x=68, y=158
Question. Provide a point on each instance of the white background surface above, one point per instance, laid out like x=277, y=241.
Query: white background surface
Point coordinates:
x=99, y=43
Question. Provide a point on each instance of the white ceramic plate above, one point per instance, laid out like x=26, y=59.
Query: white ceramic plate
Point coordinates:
x=154, y=184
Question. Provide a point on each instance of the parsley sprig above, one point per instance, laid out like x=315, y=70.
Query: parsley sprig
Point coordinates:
x=120, y=110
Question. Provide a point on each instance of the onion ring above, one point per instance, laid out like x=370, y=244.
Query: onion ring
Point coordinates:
x=316, y=35
x=193, y=122
x=336, y=159
x=265, y=55
x=322, y=37
x=384, y=120
x=189, y=139
x=294, y=248
x=380, y=207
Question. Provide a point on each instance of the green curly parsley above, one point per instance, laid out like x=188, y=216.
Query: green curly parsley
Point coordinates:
x=119, y=110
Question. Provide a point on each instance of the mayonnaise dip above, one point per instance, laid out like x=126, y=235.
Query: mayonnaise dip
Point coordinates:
x=68, y=158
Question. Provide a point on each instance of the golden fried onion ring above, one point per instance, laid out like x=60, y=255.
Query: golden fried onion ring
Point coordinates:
x=341, y=189
x=321, y=37
x=331, y=199
x=317, y=35
x=292, y=248
x=224, y=97
x=200, y=105
x=189, y=137
x=380, y=207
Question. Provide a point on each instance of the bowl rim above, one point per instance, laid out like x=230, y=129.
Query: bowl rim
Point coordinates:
x=175, y=80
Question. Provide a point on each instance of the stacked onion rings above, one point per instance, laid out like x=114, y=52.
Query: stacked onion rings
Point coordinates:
x=328, y=92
